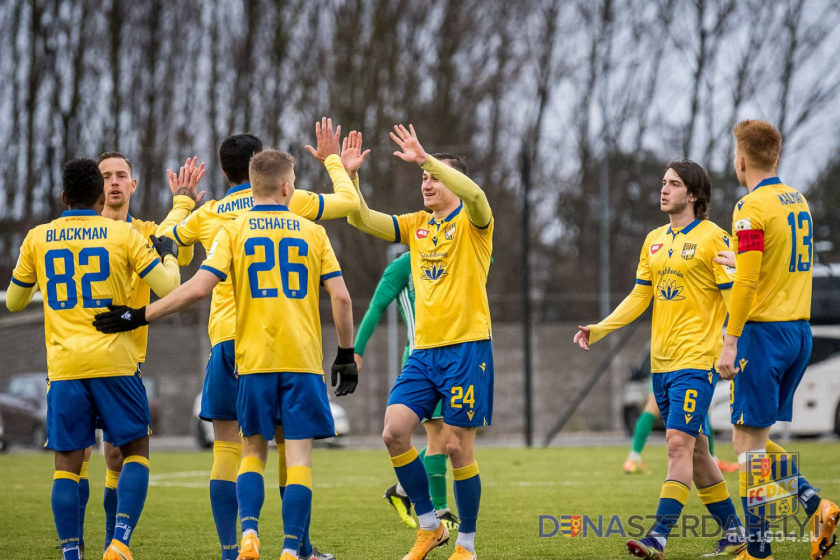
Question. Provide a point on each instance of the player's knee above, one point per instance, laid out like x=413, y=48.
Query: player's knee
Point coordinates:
x=113, y=458
x=680, y=448
x=395, y=438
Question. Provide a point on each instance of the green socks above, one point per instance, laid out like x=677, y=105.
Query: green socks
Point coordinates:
x=643, y=428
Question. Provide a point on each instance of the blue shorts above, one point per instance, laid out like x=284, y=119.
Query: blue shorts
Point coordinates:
x=74, y=404
x=459, y=375
x=100, y=425
x=772, y=358
x=683, y=398
x=218, y=398
x=300, y=397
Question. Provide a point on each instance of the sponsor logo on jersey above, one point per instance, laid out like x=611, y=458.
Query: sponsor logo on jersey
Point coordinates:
x=669, y=291
x=688, y=251
x=655, y=248
x=433, y=272
x=421, y=233
x=449, y=232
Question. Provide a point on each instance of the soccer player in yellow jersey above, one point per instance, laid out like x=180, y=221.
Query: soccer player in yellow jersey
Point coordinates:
x=277, y=262
x=83, y=262
x=119, y=186
x=768, y=338
x=677, y=270
x=453, y=354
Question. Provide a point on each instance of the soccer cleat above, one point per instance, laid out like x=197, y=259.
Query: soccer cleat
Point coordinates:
x=449, y=519
x=634, y=467
x=823, y=523
x=427, y=541
x=727, y=467
x=647, y=548
x=462, y=553
x=318, y=555
x=402, y=504
x=727, y=546
x=250, y=547
x=288, y=556
x=117, y=551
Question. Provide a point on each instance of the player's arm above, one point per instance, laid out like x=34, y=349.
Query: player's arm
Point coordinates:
x=378, y=224
x=475, y=201
x=722, y=268
x=628, y=310
x=214, y=269
x=24, y=279
x=344, y=372
x=163, y=277
x=393, y=280
x=184, y=199
x=750, y=234
x=121, y=318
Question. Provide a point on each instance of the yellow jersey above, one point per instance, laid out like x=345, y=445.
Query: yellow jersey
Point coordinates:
x=141, y=293
x=775, y=219
x=449, y=263
x=274, y=261
x=688, y=308
x=83, y=262
x=202, y=225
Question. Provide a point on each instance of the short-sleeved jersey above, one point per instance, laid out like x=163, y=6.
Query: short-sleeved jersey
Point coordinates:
x=775, y=218
x=83, y=262
x=688, y=309
x=449, y=263
x=275, y=262
x=201, y=227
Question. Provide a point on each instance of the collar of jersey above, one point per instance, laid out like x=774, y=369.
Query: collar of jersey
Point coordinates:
x=449, y=217
x=270, y=208
x=238, y=188
x=684, y=230
x=769, y=181
x=129, y=218
x=86, y=212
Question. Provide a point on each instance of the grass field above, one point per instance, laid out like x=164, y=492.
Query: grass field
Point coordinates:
x=351, y=519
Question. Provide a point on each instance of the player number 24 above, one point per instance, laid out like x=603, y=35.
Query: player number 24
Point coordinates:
x=68, y=277
x=459, y=397
x=287, y=268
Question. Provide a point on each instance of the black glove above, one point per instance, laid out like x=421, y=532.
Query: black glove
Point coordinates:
x=164, y=246
x=120, y=318
x=345, y=366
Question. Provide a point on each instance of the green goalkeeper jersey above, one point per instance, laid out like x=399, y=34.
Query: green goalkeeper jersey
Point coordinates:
x=395, y=284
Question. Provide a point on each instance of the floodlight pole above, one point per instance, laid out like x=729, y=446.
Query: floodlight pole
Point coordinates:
x=525, y=162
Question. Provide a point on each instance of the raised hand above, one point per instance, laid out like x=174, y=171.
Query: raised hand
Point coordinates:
x=412, y=151
x=186, y=182
x=327, y=140
x=352, y=156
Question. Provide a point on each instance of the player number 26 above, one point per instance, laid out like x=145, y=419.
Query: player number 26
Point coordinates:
x=287, y=268
x=459, y=397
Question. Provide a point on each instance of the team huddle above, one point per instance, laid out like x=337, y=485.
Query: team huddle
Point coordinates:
x=266, y=263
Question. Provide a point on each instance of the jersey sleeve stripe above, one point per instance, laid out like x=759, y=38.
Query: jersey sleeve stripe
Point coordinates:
x=149, y=268
x=320, y=206
x=22, y=284
x=396, y=229
x=330, y=275
x=644, y=282
x=218, y=273
x=177, y=237
x=727, y=286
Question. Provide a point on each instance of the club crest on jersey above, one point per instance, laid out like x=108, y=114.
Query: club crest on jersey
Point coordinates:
x=742, y=225
x=421, y=233
x=688, y=251
x=655, y=248
x=449, y=232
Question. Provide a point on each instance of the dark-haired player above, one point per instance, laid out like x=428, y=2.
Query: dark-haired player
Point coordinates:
x=677, y=270
x=83, y=262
